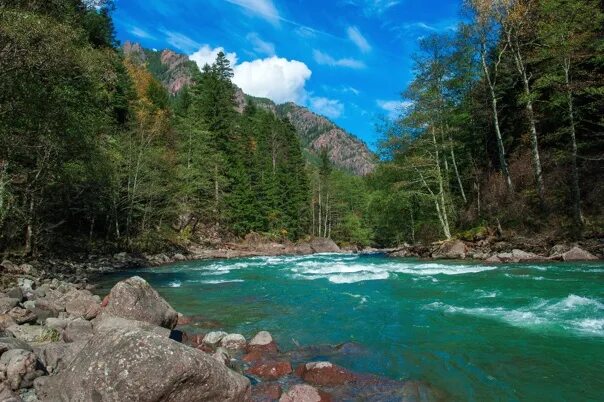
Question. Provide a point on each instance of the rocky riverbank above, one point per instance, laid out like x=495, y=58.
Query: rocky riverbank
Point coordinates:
x=59, y=341
x=509, y=250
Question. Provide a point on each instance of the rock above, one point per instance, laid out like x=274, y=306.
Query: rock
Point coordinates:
x=57, y=323
x=262, y=342
x=183, y=320
x=6, y=321
x=453, y=250
x=578, y=254
x=322, y=245
x=135, y=299
x=179, y=257
x=77, y=330
x=7, y=394
x=270, y=370
x=125, y=365
x=222, y=355
x=34, y=333
x=304, y=393
x=19, y=368
x=26, y=285
x=523, y=256
x=233, y=342
x=494, y=259
x=266, y=392
x=324, y=374
x=7, y=304
x=213, y=338
x=13, y=343
x=57, y=356
x=559, y=249
x=108, y=323
x=22, y=316
x=14, y=293
x=44, y=308
x=83, y=304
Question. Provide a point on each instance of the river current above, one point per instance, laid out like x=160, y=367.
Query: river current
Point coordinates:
x=527, y=332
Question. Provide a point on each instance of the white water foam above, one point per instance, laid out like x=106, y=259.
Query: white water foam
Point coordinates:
x=175, y=284
x=349, y=272
x=220, y=281
x=573, y=313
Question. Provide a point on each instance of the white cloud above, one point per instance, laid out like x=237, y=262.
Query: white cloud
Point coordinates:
x=259, y=45
x=276, y=78
x=358, y=39
x=141, y=33
x=207, y=55
x=328, y=60
x=331, y=108
x=393, y=107
x=180, y=41
x=372, y=7
x=263, y=8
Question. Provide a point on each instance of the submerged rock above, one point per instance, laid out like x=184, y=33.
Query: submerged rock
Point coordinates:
x=266, y=392
x=126, y=365
x=304, y=393
x=135, y=299
x=270, y=369
x=324, y=374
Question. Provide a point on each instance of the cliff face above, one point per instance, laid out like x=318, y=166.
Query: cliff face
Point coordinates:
x=175, y=71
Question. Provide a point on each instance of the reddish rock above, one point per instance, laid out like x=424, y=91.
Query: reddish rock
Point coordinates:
x=105, y=301
x=263, y=342
x=266, y=392
x=193, y=340
x=270, y=370
x=324, y=374
x=253, y=356
x=184, y=320
x=305, y=393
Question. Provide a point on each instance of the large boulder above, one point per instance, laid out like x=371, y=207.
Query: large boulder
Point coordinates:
x=452, y=250
x=108, y=323
x=126, y=365
x=578, y=254
x=19, y=368
x=135, y=299
x=57, y=356
x=322, y=245
x=77, y=330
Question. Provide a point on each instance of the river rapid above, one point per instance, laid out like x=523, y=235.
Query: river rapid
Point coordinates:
x=524, y=332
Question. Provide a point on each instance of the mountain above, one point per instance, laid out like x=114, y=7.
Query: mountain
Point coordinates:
x=347, y=152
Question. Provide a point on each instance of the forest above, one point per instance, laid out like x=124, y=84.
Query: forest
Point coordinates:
x=502, y=130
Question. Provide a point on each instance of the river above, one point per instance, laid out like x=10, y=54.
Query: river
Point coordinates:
x=525, y=332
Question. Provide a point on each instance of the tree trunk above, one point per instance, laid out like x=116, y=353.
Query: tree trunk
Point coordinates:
x=576, y=191
x=500, y=147
x=29, y=230
x=454, y=160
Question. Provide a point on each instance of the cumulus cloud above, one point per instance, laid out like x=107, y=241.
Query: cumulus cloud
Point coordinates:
x=331, y=108
x=263, y=8
x=358, y=39
x=207, y=55
x=276, y=78
x=259, y=45
x=328, y=60
x=393, y=107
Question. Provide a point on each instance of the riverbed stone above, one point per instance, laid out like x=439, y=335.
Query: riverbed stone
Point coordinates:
x=124, y=365
x=7, y=343
x=19, y=368
x=83, y=304
x=270, y=369
x=262, y=342
x=56, y=356
x=324, y=374
x=77, y=330
x=34, y=333
x=578, y=254
x=304, y=393
x=7, y=394
x=109, y=323
x=323, y=245
x=22, y=316
x=233, y=342
x=453, y=250
x=7, y=304
x=6, y=321
x=135, y=299
x=214, y=338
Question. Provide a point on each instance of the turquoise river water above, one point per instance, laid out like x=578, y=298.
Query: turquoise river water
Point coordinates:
x=530, y=332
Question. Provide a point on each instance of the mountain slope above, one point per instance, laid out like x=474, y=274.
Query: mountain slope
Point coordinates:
x=175, y=71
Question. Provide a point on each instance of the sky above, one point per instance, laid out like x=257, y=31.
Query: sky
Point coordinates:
x=348, y=60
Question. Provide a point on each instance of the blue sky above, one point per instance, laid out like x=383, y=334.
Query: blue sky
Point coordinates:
x=346, y=59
